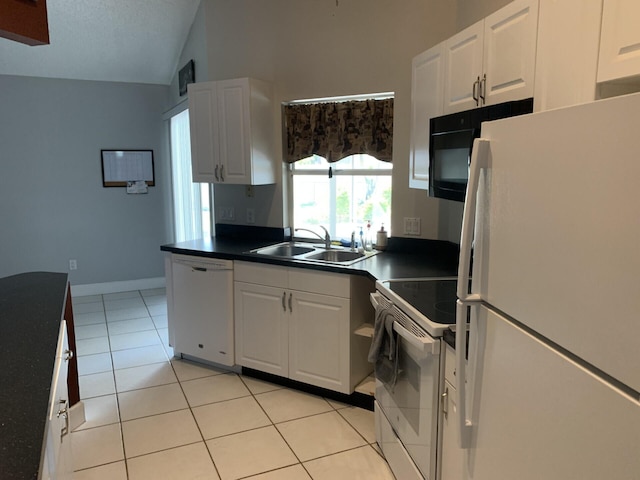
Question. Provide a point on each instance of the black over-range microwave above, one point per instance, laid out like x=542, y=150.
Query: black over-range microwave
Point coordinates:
x=451, y=141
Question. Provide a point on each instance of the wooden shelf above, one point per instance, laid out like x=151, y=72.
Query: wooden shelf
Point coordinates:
x=365, y=330
x=367, y=386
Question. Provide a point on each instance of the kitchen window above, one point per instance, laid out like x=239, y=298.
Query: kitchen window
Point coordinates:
x=357, y=190
x=339, y=153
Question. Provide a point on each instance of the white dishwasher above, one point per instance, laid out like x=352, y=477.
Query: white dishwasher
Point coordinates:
x=202, y=317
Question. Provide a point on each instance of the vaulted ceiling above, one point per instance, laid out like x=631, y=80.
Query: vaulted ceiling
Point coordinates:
x=136, y=41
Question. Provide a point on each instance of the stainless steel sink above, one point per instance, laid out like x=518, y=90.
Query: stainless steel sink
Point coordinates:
x=311, y=253
x=335, y=256
x=287, y=250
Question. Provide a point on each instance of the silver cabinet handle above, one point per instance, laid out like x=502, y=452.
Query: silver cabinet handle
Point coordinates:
x=284, y=299
x=445, y=403
x=482, y=87
x=63, y=411
x=474, y=93
x=290, y=302
x=198, y=269
x=215, y=173
x=222, y=173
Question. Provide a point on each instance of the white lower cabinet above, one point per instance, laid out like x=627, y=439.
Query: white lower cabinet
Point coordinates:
x=451, y=455
x=299, y=324
x=56, y=463
x=262, y=328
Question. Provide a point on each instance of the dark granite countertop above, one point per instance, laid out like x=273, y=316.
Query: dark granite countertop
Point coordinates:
x=404, y=258
x=31, y=309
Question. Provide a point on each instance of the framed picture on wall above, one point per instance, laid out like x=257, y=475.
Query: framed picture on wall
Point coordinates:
x=186, y=75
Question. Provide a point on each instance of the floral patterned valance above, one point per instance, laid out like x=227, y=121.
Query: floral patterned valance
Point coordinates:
x=337, y=130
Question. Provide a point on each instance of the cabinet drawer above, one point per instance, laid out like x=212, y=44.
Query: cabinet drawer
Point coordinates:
x=323, y=283
x=261, y=274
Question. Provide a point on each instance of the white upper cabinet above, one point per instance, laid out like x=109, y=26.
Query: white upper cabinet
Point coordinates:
x=620, y=42
x=567, y=54
x=427, y=78
x=492, y=61
x=231, y=125
x=463, y=69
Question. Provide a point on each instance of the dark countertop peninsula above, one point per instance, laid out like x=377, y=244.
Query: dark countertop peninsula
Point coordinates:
x=31, y=309
x=403, y=258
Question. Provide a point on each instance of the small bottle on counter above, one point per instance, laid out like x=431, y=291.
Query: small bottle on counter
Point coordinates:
x=381, y=238
x=368, y=240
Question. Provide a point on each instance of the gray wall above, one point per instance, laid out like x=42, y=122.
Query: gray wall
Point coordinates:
x=53, y=206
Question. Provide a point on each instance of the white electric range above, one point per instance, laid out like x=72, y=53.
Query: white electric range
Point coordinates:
x=408, y=413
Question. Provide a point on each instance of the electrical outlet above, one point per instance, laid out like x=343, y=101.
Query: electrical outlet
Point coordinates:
x=411, y=226
x=226, y=213
x=251, y=215
x=73, y=264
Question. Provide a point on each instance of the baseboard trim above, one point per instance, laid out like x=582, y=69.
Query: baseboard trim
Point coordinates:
x=115, y=287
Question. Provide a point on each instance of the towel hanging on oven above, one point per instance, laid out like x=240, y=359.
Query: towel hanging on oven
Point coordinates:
x=383, y=352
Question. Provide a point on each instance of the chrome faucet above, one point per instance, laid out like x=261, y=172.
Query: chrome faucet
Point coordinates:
x=326, y=239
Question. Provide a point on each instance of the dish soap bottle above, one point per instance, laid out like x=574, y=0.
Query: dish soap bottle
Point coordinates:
x=368, y=241
x=381, y=238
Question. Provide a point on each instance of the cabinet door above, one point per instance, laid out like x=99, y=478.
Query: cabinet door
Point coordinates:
x=620, y=40
x=567, y=54
x=235, y=131
x=57, y=461
x=427, y=77
x=202, y=310
x=452, y=455
x=203, y=125
x=261, y=325
x=510, y=52
x=319, y=341
x=463, y=68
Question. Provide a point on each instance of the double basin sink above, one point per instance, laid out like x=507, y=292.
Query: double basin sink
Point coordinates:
x=307, y=252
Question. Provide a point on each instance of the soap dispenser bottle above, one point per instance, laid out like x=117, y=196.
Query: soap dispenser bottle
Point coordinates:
x=381, y=238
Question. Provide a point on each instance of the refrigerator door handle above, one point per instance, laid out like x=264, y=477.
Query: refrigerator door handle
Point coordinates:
x=479, y=160
x=465, y=422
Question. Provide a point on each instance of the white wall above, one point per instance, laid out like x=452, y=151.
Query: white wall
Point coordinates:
x=53, y=206
x=313, y=48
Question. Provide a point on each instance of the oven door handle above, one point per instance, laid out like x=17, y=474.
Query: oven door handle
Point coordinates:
x=424, y=344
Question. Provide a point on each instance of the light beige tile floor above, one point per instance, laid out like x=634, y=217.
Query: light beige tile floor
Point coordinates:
x=152, y=416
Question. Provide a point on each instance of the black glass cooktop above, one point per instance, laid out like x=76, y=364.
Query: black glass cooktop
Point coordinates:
x=435, y=299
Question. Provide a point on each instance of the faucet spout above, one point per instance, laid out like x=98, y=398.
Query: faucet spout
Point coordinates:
x=326, y=239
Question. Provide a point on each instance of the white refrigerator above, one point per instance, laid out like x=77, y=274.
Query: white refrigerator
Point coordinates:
x=551, y=230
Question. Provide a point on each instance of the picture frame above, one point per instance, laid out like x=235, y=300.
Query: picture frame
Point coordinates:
x=122, y=167
x=186, y=75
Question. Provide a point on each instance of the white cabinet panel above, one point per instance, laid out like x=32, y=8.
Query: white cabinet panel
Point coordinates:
x=493, y=60
x=299, y=324
x=262, y=328
x=567, y=53
x=57, y=457
x=463, y=68
x=232, y=132
x=510, y=52
x=427, y=97
x=620, y=42
x=319, y=341
x=203, y=127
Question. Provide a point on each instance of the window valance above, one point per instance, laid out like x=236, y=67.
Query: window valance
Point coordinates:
x=337, y=130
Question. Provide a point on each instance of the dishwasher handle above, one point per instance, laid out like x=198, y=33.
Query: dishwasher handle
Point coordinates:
x=204, y=265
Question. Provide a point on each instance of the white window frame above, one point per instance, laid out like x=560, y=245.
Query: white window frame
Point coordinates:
x=336, y=172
